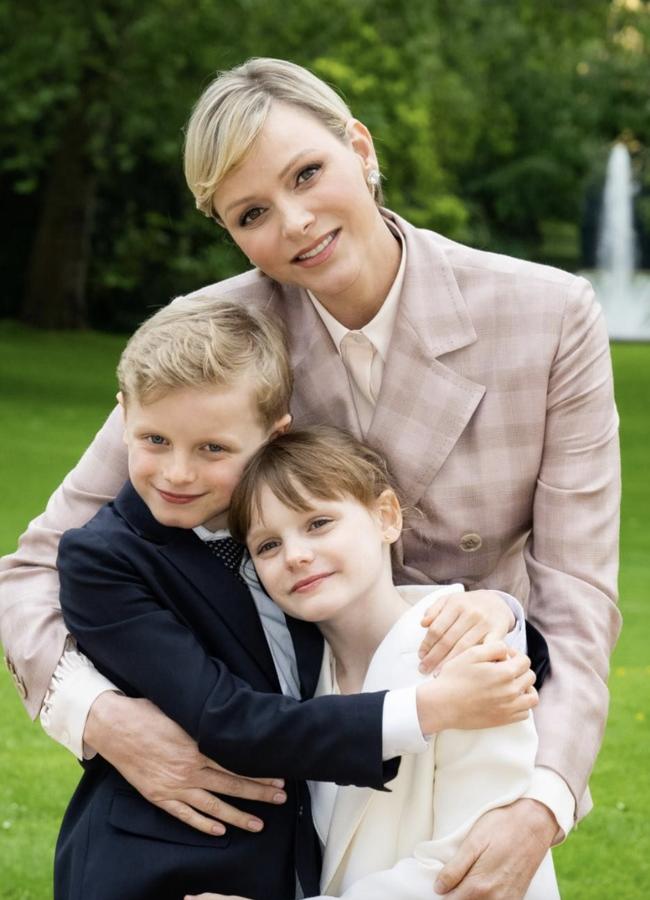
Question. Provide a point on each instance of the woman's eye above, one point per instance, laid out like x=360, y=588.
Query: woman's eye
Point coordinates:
x=251, y=215
x=156, y=439
x=307, y=173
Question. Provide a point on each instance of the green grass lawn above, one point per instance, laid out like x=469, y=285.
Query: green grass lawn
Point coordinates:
x=55, y=392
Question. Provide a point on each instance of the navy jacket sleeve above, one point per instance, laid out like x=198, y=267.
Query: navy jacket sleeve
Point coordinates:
x=146, y=650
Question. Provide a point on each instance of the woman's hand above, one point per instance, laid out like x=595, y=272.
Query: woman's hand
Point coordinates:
x=483, y=687
x=164, y=764
x=458, y=621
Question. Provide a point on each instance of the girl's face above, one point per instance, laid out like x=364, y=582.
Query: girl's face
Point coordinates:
x=317, y=563
x=300, y=208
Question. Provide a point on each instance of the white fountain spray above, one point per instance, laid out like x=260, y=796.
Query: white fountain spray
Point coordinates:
x=624, y=295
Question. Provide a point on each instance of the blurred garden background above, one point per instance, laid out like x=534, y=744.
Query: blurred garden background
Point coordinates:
x=493, y=121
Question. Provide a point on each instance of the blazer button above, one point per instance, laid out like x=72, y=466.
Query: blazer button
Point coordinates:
x=301, y=811
x=471, y=542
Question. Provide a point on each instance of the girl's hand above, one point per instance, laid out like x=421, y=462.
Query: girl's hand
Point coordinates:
x=483, y=687
x=456, y=622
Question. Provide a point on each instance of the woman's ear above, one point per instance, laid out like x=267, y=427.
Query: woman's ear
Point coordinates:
x=390, y=515
x=361, y=142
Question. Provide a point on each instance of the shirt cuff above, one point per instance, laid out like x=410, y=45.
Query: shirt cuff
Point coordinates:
x=401, y=730
x=551, y=789
x=516, y=637
x=74, y=687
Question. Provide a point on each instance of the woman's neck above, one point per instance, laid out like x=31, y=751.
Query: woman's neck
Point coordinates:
x=358, y=630
x=362, y=300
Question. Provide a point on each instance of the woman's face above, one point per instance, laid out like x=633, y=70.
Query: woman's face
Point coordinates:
x=300, y=208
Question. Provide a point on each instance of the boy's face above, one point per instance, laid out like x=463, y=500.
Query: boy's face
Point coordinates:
x=187, y=450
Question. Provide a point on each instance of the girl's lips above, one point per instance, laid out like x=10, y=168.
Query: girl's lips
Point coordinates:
x=324, y=254
x=178, y=498
x=301, y=587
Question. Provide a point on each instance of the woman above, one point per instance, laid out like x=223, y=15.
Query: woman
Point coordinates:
x=484, y=381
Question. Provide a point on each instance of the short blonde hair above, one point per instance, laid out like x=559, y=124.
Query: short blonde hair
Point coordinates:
x=201, y=341
x=232, y=110
x=323, y=461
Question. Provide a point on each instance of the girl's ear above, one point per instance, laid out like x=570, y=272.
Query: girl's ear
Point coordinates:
x=390, y=515
x=281, y=426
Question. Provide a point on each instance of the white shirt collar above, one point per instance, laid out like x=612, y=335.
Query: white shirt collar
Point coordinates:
x=379, y=329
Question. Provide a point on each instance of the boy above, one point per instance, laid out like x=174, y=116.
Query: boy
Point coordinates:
x=165, y=610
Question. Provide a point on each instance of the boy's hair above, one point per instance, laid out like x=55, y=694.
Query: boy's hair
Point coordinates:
x=200, y=341
x=322, y=461
x=232, y=110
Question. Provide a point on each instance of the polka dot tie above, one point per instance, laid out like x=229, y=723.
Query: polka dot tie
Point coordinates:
x=229, y=552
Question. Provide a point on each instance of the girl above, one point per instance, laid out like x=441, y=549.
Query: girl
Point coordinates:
x=319, y=516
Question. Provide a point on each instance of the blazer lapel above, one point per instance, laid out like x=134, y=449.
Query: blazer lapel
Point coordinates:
x=308, y=644
x=424, y=405
x=321, y=391
x=224, y=594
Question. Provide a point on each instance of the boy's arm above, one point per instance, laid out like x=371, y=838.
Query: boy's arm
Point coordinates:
x=146, y=650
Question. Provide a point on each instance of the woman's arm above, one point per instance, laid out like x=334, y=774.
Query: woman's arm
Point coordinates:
x=32, y=630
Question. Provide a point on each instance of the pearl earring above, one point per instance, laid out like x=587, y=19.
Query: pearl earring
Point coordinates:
x=373, y=179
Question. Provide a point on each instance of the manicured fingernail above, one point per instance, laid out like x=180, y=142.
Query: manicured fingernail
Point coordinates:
x=278, y=782
x=280, y=797
x=255, y=825
x=422, y=668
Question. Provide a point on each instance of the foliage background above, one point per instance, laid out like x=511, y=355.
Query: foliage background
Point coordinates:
x=493, y=121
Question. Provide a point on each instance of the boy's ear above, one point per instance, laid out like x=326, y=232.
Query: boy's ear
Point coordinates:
x=390, y=515
x=122, y=404
x=281, y=426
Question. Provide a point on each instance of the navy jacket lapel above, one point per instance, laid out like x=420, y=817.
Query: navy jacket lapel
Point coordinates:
x=223, y=592
x=308, y=644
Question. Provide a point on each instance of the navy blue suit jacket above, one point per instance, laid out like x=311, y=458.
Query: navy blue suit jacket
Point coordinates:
x=164, y=619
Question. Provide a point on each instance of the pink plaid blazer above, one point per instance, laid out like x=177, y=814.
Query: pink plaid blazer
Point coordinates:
x=497, y=418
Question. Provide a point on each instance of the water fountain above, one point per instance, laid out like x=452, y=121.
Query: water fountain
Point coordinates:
x=623, y=293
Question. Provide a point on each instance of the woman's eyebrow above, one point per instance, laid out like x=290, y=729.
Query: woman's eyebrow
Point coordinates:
x=292, y=162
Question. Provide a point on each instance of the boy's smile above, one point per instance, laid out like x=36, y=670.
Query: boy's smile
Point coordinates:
x=188, y=449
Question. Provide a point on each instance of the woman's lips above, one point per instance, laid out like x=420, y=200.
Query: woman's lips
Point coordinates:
x=320, y=251
x=301, y=587
x=178, y=498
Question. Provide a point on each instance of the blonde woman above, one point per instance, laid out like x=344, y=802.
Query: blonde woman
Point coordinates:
x=484, y=381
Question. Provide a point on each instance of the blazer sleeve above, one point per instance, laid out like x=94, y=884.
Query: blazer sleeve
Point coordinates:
x=474, y=771
x=147, y=651
x=32, y=630
x=572, y=552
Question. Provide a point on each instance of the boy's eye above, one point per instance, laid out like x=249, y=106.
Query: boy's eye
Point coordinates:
x=156, y=439
x=307, y=173
x=250, y=215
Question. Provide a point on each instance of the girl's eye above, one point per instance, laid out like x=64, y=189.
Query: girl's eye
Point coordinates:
x=250, y=215
x=307, y=173
x=156, y=439
x=320, y=522
x=214, y=448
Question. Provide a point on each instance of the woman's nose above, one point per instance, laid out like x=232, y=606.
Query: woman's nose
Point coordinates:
x=296, y=219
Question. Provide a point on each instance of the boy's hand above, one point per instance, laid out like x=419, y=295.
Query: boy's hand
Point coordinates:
x=458, y=621
x=164, y=764
x=486, y=686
